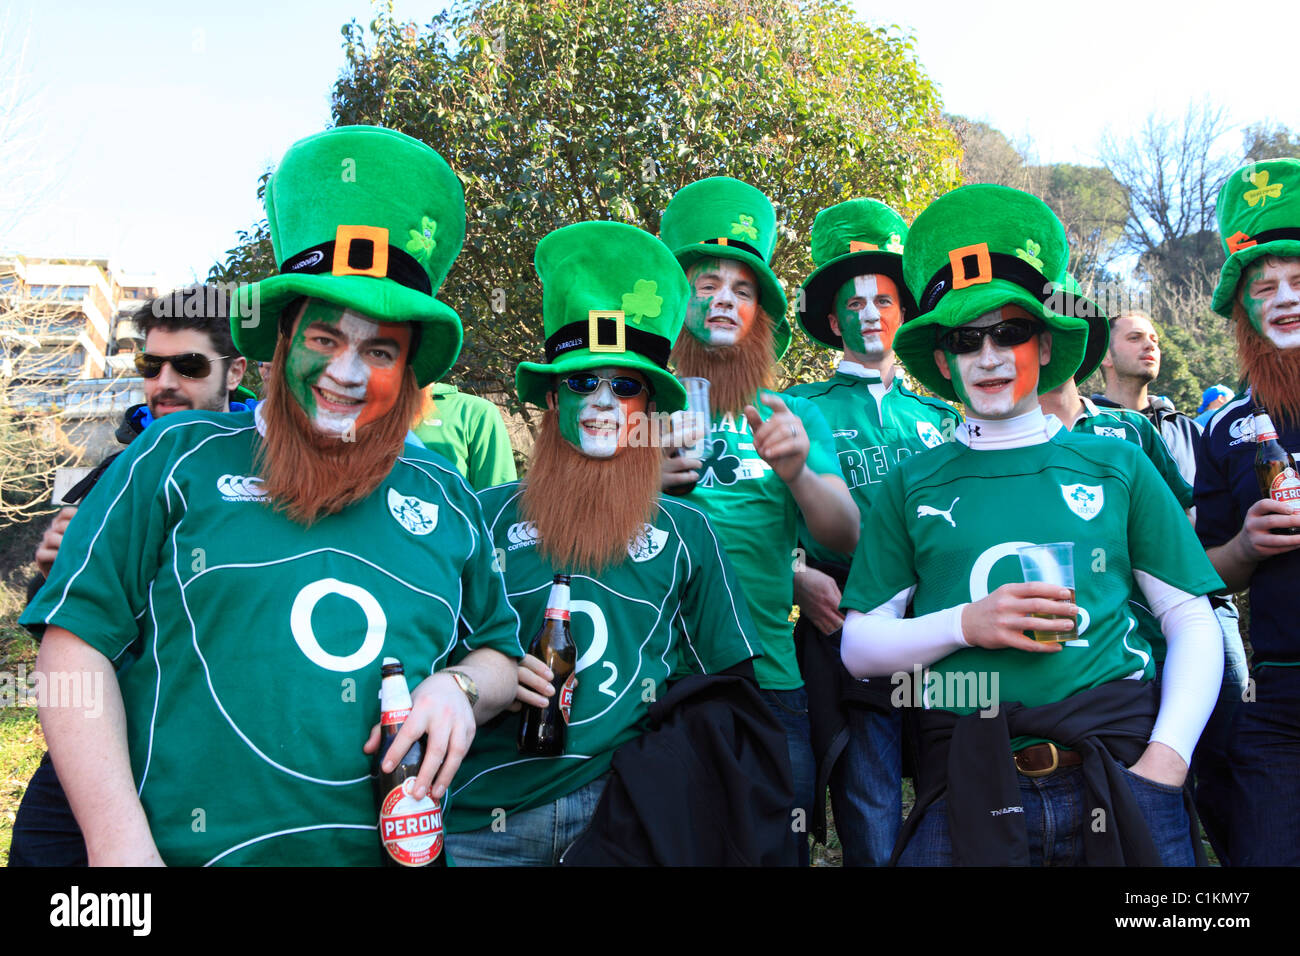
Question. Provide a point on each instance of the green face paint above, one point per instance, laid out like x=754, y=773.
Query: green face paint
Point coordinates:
x=723, y=303
x=957, y=385
x=1270, y=296
x=569, y=406
x=850, y=319
x=304, y=365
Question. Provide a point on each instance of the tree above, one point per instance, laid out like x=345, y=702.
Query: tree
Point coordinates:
x=1269, y=141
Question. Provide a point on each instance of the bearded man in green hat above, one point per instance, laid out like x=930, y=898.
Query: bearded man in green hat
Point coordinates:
x=1251, y=538
x=362, y=549
x=1044, y=728
x=770, y=458
x=648, y=582
x=854, y=301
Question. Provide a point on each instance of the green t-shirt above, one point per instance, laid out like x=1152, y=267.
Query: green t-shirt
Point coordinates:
x=468, y=431
x=1134, y=427
x=260, y=640
x=674, y=598
x=948, y=523
x=754, y=514
x=874, y=426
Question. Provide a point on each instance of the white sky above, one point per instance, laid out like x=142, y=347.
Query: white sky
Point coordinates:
x=156, y=118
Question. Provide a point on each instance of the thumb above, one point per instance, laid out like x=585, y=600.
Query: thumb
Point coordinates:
x=751, y=415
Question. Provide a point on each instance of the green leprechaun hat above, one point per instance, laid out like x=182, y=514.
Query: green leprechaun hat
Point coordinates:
x=1074, y=302
x=723, y=218
x=366, y=218
x=612, y=295
x=854, y=238
x=977, y=249
x=1259, y=215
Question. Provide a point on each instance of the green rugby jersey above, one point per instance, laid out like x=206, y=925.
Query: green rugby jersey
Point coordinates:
x=874, y=427
x=259, y=640
x=1134, y=427
x=470, y=433
x=948, y=523
x=754, y=514
x=674, y=597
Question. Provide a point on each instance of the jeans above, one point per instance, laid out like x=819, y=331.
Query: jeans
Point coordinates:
x=866, y=787
x=791, y=709
x=1264, y=759
x=45, y=830
x=1056, y=812
x=536, y=837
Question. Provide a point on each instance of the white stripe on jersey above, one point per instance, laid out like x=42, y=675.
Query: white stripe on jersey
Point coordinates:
x=473, y=532
x=503, y=766
x=278, y=833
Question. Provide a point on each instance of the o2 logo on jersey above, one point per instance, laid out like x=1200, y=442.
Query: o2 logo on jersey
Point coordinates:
x=983, y=568
x=300, y=625
x=930, y=436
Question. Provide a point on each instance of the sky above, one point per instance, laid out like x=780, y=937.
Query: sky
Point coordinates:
x=150, y=122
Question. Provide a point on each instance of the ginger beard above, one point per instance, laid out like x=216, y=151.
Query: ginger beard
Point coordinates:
x=1266, y=314
x=316, y=465
x=587, y=509
x=868, y=313
x=998, y=383
x=727, y=337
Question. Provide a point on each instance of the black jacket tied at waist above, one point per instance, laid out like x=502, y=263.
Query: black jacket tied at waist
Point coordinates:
x=968, y=758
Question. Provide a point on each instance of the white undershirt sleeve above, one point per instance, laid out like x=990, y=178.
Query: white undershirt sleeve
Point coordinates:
x=883, y=642
x=1193, y=671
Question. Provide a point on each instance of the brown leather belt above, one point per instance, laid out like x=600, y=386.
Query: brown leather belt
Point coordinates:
x=1039, y=760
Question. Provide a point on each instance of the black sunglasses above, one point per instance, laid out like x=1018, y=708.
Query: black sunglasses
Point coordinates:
x=188, y=364
x=623, y=386
x=1005, y=335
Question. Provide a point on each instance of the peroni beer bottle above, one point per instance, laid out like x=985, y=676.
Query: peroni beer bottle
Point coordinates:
x=1274, y=466
x=541, y=729
x=409, y=829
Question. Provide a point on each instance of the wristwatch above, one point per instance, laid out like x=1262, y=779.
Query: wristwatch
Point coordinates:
x=465, y=683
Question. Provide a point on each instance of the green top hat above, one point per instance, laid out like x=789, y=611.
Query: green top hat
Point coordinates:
x=977, y=249
x=1074, y=302
x=1259, y=215
x=854, y=238
x=366, y=218
x=614, y=295
x=723, y=218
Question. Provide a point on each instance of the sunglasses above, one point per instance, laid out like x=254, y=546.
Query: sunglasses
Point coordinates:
x=188, y=364
x=623, y=386
x=1006, y=334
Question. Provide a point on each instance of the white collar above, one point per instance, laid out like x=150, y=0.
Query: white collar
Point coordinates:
x=1031, y=428
x=849, y=367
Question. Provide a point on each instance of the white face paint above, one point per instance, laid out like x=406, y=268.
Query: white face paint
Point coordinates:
x=999, y=383
x=1271, y=296
x=600, y=421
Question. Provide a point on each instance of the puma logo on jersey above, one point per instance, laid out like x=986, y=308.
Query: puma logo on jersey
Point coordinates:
x=1108, y=432
x=521, y=534
x=648, y=542
x=1084, y=500
x=924, y=510
x=240, y=488
x=414, y=514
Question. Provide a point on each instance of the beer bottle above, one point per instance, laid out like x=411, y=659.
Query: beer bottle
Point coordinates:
x=541, y=729
x=1274, y=467
x=409, y=829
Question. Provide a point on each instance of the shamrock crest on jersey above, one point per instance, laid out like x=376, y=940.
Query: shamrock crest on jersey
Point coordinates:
x=930, y=436
x=414, y=514
x=1084, y=500
x=648, y=542
x=1108, y=432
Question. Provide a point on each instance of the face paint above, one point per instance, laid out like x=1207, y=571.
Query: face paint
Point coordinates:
x=1270, y=294
x=724, y=301
x=868, y=312
x=598, y=424
x=344, y=369
x=997, y=383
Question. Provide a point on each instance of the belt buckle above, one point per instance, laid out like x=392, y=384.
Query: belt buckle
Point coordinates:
x=1056, y=762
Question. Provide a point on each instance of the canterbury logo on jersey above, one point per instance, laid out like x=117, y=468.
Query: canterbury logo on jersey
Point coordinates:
x=521, y=534
x=1242, y=430
x=240, y=488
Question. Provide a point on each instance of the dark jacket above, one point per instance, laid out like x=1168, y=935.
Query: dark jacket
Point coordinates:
x=709, y=784
x=1181, y=434
x=968, y=759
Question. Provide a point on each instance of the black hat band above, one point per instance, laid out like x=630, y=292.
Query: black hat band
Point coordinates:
x=610, y=333
x=361, y=250
x=735, y=244
x=980, y=266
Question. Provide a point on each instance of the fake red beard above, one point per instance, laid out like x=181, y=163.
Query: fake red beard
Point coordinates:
x=306, y=474
x=586, y=509
x=1273, y=373
x=735, y=372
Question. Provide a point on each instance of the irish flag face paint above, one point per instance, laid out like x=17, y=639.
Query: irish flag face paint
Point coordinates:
x=1270, y=294
x=868, y=313
x=344, y=369
x=724, y=301
x=597, y=424
x=994, y=382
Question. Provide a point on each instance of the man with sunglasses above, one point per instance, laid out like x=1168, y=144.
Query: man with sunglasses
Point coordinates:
x=1026, y=744
x=649, y=584
x=312, y=520
x=855, y=300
